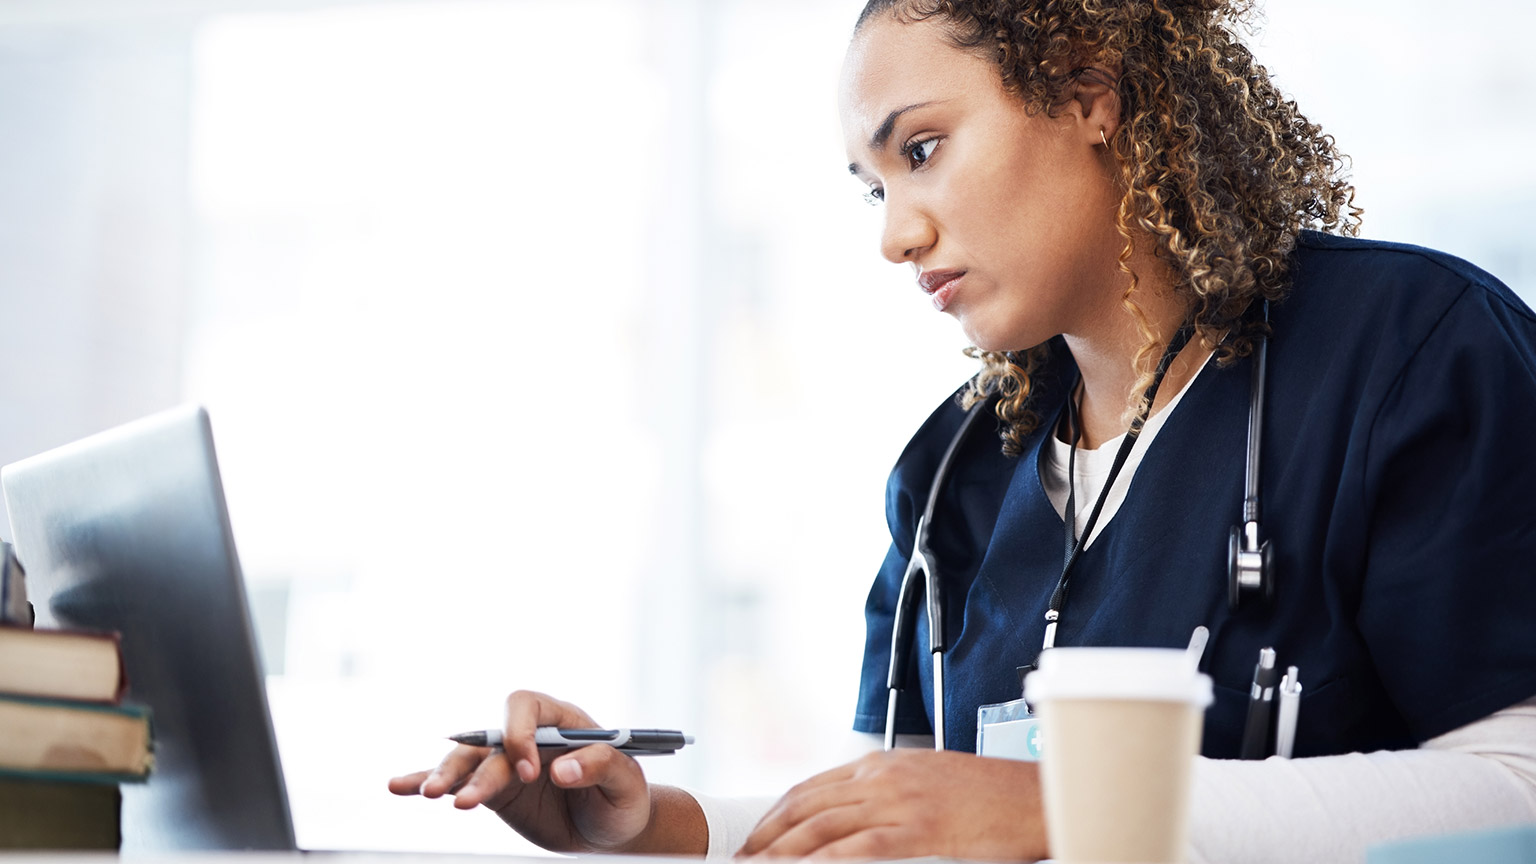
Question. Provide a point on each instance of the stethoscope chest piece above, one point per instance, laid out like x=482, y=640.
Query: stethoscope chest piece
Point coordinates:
x=1250, y=565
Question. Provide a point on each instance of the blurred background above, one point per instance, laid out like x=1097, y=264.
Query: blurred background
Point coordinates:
x=547, y=343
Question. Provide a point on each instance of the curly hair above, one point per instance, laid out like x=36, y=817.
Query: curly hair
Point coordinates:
x=1216, y=166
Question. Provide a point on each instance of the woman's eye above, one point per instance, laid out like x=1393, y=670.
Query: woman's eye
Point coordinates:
x=918, y=152
x=874, y=196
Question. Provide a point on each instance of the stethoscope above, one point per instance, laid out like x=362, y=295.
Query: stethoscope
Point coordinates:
x=1250, y=556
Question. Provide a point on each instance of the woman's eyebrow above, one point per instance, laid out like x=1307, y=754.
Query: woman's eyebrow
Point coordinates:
x=882, y=134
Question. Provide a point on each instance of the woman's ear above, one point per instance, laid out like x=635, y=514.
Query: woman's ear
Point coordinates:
x=1098, y=100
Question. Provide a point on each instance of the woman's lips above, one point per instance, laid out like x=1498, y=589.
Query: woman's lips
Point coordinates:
x=940, y=285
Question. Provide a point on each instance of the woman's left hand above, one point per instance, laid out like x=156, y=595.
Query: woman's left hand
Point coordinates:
x=907, y=804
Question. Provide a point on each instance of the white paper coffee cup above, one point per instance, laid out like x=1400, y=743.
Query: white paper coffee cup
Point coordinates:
x=1120, y=728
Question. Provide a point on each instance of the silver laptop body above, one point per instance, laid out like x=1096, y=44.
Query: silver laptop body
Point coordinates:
x=128, y=531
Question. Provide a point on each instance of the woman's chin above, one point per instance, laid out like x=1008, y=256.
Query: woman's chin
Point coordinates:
x=989, y=338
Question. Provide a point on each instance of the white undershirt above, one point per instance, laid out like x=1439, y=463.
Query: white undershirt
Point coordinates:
x=1281, y=811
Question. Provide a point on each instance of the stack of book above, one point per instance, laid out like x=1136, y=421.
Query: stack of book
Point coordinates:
x=66, y=737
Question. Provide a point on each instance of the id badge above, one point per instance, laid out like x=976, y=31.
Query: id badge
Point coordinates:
x=1007, y=730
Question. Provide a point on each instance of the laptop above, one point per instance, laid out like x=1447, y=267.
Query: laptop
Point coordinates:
x=127, y=530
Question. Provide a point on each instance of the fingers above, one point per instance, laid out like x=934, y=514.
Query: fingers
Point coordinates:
x=883, y=842
x=526, y=711
x=488, y=782
x=799, y=803
x=478, y=771
x=408, y=784
x=821, y=832
x=454, y=770
x=824, y=792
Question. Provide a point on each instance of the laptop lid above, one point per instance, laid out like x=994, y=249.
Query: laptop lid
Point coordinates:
x=128, y=531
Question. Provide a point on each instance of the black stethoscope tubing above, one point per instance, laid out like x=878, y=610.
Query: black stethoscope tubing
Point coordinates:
x=922, y=561
x=1249, y=554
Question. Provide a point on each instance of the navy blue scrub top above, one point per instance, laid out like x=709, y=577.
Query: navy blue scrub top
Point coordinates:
x=1398, y=487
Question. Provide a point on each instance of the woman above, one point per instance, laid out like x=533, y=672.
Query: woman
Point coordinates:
x=1117, y=205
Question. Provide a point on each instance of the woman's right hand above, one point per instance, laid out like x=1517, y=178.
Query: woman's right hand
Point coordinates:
x=590, y=799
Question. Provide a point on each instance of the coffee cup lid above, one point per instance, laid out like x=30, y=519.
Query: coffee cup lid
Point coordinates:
x=1154, y=674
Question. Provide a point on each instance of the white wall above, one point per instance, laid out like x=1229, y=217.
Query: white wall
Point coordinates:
x=94, y=245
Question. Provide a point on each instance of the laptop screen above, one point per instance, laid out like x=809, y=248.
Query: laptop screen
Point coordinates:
x=128, y=531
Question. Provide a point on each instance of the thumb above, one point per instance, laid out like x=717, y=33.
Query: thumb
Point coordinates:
x=616, y=774
x=610, y=803
x=526, y=711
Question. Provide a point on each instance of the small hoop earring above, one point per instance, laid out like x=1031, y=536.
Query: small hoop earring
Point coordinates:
x=1102, y=138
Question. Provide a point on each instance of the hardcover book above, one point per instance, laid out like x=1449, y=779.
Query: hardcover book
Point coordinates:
x=74, y=740
x=61, y=664
x=52, y=815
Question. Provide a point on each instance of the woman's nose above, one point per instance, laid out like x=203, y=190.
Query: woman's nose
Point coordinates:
x=907, y=230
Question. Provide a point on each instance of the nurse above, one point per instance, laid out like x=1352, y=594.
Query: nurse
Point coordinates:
x=1077, y=182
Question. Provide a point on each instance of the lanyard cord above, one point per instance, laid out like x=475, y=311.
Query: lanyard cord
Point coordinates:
x=1074, y=544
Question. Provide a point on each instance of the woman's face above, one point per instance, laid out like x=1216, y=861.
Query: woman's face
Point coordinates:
x=1007, y=218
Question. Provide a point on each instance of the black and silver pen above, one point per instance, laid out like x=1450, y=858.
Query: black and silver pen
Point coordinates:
x=636, y=742
x=1260, y=702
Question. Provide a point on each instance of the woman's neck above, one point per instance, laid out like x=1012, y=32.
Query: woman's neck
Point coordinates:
x=1105, y=352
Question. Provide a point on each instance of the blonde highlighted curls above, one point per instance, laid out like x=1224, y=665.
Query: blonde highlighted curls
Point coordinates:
x=1218, y=168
